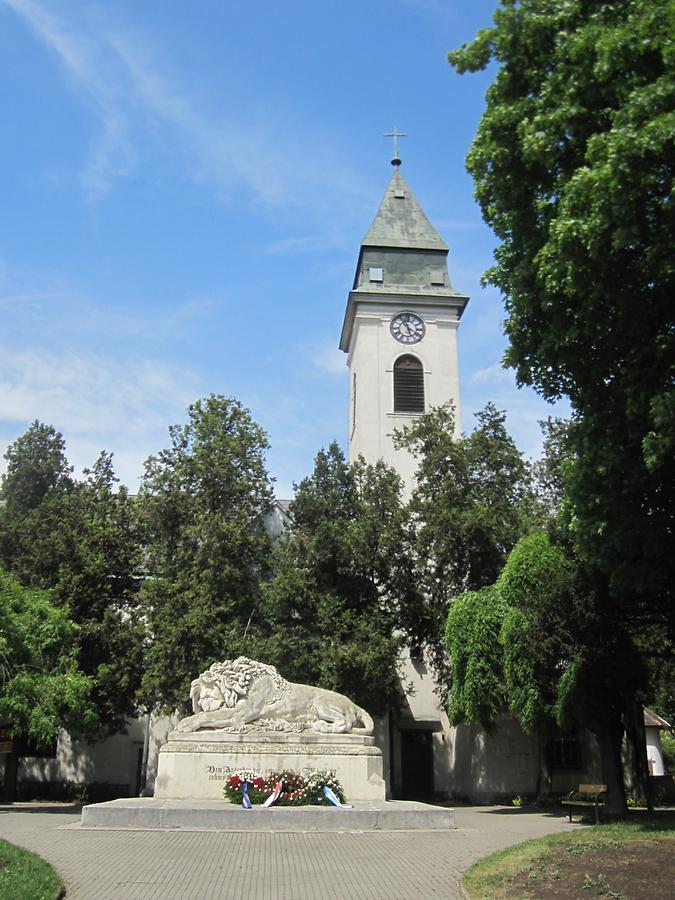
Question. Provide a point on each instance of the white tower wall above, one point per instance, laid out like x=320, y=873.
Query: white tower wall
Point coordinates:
x=372, y=355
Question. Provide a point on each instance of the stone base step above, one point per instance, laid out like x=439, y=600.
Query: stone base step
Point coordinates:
x=219, y=815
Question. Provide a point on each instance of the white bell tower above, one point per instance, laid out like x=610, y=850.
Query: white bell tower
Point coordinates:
x=400, y=329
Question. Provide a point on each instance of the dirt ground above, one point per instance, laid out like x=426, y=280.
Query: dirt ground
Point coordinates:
x=638, y=870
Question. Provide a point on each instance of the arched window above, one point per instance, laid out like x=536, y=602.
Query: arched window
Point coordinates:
x=408, y=385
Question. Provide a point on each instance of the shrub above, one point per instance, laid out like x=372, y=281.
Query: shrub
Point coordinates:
x=668, y=747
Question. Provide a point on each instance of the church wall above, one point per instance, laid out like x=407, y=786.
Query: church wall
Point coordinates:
x=422, y=709
x=467, y=762
x=496, y=767
x=113, y=765
x=589, y=771
x=654, y=751
x=371, y=362
x=470, y=764
x=499, y=766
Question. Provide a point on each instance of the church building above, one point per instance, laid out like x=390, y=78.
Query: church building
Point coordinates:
x=400, y=335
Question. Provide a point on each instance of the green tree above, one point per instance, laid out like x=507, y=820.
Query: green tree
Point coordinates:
x=472, y=636
x=541, y=645
x=98, y=582
x=551, y=472
x=573, y=165
x=202, y=503
x=33, y=492
x=78, y=539
x=472, y=502
x=41, y=686
x=340, y=586
x=565, y=659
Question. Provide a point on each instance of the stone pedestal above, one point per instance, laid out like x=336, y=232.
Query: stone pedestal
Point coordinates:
x=218, y=815
x=196, y=765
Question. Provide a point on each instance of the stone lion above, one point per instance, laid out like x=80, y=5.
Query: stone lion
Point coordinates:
x=234, y=694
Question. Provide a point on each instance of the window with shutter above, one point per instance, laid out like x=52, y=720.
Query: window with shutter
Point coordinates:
x=408, y=385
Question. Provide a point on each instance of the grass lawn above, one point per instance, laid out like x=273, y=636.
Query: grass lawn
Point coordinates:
x=26, y=876
x=632, y=859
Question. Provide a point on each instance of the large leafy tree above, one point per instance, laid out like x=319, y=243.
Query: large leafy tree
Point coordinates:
x=472, y=636
x=202, y=502
x=341, y=583
x=573, y=165
x=41, y=685
x=42, y=688
x=98, y=581
x=78, y=539
x=472, y=502
x=542, y=645
x=33, y=492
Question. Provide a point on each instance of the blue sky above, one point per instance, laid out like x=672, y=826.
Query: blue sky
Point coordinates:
x=184, y=189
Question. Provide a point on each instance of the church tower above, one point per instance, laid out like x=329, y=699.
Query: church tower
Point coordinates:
x=400, y=328
x=400, y=334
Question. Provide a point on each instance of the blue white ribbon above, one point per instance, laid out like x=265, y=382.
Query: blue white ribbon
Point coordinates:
x=333, y=798
x=246, y=800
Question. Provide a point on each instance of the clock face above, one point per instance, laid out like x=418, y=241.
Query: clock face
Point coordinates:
x=407, y=328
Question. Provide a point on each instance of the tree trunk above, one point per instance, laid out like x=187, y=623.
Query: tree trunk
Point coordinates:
x=544, y=773
x=609, y=734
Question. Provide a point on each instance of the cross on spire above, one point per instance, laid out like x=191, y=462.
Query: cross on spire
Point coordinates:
x=396, y=134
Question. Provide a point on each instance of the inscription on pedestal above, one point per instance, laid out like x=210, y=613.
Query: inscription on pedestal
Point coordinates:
x=218, y=773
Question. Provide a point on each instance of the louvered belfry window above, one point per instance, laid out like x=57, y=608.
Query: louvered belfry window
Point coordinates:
x=408, y=385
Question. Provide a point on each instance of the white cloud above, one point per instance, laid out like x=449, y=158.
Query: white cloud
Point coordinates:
x=97, y=403
x=141, y=105
x=87, y=61
x=68, y=316
x=329, y=359
x=441, y=8
x=524, y=408
x=494, y=374
x=309, y=243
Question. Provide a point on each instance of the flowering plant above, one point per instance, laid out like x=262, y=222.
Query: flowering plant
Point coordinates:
x=298, y=788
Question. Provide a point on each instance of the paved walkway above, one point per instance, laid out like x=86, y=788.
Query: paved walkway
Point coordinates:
x=99, y=864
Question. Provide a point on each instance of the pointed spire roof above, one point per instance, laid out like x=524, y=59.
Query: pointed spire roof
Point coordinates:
x=400, y=221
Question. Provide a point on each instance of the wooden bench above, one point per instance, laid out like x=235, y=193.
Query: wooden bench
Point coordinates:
x=587, y=795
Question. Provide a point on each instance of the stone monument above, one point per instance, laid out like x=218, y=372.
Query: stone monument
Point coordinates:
x=246, y=716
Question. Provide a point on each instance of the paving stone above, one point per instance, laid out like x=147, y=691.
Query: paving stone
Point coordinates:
x=182, y=864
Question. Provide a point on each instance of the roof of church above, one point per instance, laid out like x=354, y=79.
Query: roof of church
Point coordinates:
x=400, y=221
x=654, y=720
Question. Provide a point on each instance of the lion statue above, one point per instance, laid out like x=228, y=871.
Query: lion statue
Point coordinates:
x=235, y=694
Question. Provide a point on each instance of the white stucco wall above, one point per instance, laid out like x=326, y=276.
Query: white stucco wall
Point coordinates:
x=654, y=751
x=371, y=360
x=113, y=761
x=422, y=705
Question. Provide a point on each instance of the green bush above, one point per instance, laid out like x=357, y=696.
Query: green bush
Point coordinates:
x=668, y=747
